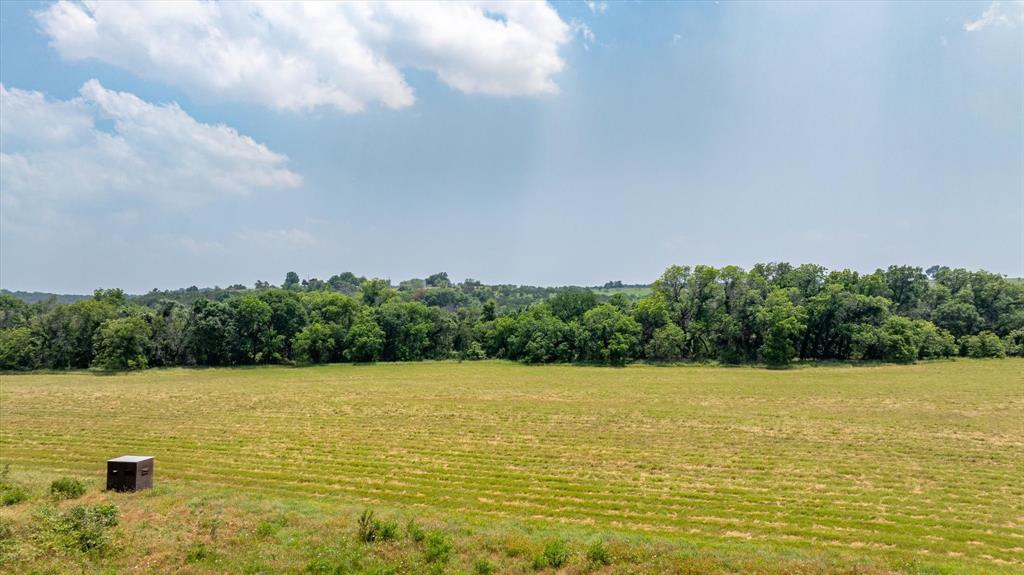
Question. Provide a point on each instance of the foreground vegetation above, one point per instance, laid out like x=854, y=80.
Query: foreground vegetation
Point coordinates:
x=505, y=466
x=771, y=314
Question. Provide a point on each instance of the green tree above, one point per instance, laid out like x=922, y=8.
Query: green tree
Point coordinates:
x=614, y=334
x=13, y=312
x=572, y=303
x=1014, y=343
x=291, y=281
x=208, y=338
x=122, y=344
x=667, y=344
x=315, y=343
x=782, y=323
x=935, y=342
x=439, y=279
x=254, y=338
x=169, y=343
x=19, y=349
x=652, y=314
x=985, y=344
x=907, y=288
x=958, y=315
x=365, y=340
x=376, y=291
x=898, y=339
x=287, y=317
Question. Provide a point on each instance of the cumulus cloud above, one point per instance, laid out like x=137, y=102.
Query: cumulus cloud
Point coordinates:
x=303, y=55
x=112, y=146
x=998, y=14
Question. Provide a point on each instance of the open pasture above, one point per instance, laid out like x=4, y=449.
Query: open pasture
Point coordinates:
x=901, y=465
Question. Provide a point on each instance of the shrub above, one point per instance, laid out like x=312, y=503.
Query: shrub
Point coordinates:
x=372, y=529
x=1014, y=342
x=82, y=527
x=935, y=342
x=67, y=488
x=599, y=554
x=199, y=552
x=415, y=532
x=474, y=352
x=985, y=344
x=437, y=547
x=483, y=567
x=10, y=492
x=556, y=553
x=898, y=339
x=271, y=526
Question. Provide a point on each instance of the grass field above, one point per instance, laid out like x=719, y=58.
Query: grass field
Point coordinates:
x=830, y=469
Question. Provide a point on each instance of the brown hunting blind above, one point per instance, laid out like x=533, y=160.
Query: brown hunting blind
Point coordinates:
x=130, y=473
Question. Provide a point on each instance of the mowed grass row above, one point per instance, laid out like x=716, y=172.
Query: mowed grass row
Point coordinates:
x=920, y=462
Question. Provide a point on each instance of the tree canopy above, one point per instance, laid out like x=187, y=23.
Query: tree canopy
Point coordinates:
x=774, y=314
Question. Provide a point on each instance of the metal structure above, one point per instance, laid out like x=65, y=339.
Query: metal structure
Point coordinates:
x=130, y=473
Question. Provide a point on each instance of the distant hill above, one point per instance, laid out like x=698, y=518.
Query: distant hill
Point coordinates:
x=34, y=296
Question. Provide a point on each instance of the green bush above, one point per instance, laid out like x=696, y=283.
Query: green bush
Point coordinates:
x=82, y=527
x=985, y=344
x=271, y=526
x=898, y=339
x=10, y=492
x=372, y=529
x=199, y=552
x=437, y=547
x=1014, y=343
x=599, y=554
x=473, y=352
x=556, y=553
x=67, y=488
x=415, y=532
x=483, y=567
x=935, y=342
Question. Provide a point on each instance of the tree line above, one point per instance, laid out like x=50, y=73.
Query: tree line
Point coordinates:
x=773, y=313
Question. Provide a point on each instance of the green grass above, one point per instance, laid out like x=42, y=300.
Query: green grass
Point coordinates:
x=837, y=469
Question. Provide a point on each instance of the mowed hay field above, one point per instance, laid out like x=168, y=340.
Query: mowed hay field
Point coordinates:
x=900, y=466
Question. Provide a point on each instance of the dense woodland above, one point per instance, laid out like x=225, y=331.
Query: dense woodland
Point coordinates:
x=773, y=314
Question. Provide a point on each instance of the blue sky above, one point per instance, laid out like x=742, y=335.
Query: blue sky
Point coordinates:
x=553, y=144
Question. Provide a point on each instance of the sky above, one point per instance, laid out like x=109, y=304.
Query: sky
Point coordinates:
x=168, y=144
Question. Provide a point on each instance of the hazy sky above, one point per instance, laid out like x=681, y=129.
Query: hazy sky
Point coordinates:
x=172, y=144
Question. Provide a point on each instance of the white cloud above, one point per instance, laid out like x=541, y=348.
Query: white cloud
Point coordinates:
x=597, y=7
x=998, y=14
x=585, y=32
x=65, y=156
x=297, y=56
